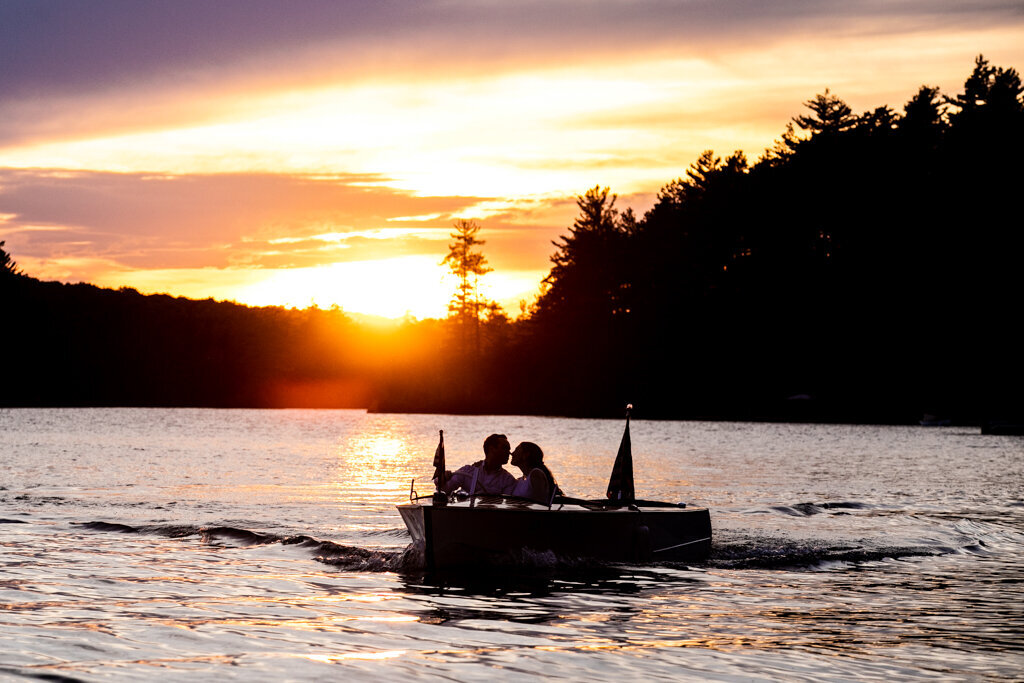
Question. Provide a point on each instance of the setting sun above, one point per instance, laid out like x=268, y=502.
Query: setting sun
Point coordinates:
x=391, y=287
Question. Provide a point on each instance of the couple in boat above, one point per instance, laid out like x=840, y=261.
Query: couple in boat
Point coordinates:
x=487, y=476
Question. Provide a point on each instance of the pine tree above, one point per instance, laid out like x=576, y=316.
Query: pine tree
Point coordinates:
x=8, y=268
x=467, y=263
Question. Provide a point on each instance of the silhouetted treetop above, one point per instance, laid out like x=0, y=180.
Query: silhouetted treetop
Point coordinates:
x=701, y=176
x=588, y=260
x=597, y=211
x=924, y=110
x=988, y=117
x=8, y=267
x=989, y=86
x=829, y=114
x=879, y=121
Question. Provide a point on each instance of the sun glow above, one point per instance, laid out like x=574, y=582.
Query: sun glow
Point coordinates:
x=392, y=288
x=409, y=285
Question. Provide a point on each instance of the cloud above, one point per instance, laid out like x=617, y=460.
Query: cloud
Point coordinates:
x=83, y=225
x=67, y=45
x=145, y=220
x=65, y=62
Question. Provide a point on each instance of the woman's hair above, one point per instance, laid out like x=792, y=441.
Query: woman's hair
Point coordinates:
x=535, y=459
x=534, y=455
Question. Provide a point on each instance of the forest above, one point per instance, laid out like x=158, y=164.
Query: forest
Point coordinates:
x=865, y=268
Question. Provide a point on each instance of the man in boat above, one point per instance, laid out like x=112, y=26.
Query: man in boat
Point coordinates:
x=486, y=476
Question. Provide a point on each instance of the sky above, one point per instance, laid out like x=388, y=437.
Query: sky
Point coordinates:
x=319, y=151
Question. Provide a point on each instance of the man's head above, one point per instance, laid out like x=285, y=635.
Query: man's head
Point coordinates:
x=496, y=450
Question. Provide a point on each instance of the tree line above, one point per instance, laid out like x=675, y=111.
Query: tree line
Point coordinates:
x=864, y=268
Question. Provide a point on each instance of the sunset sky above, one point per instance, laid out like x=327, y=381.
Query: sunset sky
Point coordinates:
x=319, y=151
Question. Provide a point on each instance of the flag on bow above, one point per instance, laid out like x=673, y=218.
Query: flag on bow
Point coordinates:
x=439, y=469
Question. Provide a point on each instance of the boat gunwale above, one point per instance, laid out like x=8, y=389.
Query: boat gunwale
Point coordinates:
x=560, y=504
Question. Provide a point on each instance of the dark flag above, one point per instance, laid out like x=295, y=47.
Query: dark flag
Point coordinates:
x=439, y=469
x=620, y=485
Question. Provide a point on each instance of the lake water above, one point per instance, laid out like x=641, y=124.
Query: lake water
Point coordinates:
x=265, y=545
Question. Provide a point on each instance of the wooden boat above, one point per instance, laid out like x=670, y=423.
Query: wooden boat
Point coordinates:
x=453, y=531
x=502, y=529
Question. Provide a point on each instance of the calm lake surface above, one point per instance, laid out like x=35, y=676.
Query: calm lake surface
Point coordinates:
x=265, y=545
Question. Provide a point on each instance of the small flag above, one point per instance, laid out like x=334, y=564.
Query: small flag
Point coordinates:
x=620, y=485
x=439, y=470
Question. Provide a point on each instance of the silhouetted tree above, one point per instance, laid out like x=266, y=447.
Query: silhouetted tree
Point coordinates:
x=988, y=89
x=688, y=259
x=830, y=115
x=987, y=119
x=693, y=232
x=581, y=315
x=586, y=281
x=467, y=263
x=877, y=122
x=923, y=113
x=8, y=267
x=781, y=150
x=982, y=175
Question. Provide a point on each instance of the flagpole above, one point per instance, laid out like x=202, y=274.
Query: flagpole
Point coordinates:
x=440, y=473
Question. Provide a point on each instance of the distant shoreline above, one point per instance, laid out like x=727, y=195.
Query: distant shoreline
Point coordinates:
x=998, y=426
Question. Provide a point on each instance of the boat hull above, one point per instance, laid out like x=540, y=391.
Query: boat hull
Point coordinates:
x=499, y=531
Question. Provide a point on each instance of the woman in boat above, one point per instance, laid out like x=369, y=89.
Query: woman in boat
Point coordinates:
x=537, y=482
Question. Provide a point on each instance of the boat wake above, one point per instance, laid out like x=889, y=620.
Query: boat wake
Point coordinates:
x=809, y=509
x=731, y=549
x=822, y=545
x=746, y=551
x=350, y=558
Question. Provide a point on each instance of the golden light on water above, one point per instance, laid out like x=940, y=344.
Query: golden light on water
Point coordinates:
x=378, y=465
x=331, y=659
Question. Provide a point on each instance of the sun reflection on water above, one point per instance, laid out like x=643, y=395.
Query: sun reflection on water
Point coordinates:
x=379, y=466
x=330, y=659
